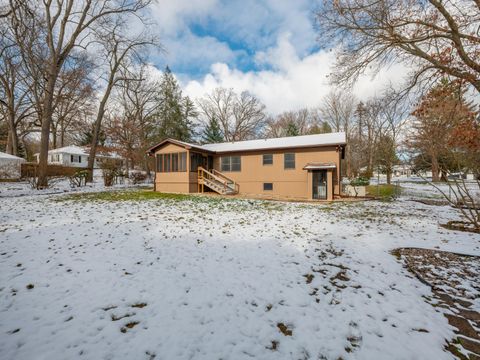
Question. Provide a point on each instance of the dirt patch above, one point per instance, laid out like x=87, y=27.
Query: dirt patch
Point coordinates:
x=460, y=226
x=284, y=329
x=455, y=283
x=139, y=305
x=432, y=202
x=129, y=325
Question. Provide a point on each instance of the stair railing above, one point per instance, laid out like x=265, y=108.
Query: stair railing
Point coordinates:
x=207, y=175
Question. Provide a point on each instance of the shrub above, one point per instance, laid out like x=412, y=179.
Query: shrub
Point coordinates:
x=137, y=177
x=79, y=178
x=360, y=181
x=112, y=171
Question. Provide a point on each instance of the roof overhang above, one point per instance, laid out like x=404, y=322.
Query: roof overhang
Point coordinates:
x=185, y=145
x=319, y=166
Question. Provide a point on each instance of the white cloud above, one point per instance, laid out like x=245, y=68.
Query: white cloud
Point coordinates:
x=172, y=16
x=292, y=82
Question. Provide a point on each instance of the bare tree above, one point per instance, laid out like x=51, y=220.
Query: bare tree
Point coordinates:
x=131, y=125
x=74, y=97
x=15, y=104
x=436, y=37
x=240, y=117
x=65, y=25
x=121, y=52
x=338, y=110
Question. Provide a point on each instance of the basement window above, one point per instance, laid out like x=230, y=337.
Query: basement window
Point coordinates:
x=267, y=186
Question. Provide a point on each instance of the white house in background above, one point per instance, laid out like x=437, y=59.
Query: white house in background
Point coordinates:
x=74, y=156
x=10, y=166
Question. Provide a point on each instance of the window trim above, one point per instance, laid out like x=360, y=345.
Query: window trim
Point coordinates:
x=263, y=160
x=285, y=167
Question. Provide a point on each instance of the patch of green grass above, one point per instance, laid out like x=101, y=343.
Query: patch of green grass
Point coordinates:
x=383, y=191
x=127, y=195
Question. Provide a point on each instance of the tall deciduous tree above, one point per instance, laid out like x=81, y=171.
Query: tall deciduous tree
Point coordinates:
x=121, y=52
x=241, y=117
x=64, y=25
x=442, y=110
x=436, y=37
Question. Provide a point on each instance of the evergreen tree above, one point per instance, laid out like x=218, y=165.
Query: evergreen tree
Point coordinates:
x=212, y=132
x=292, y=129
x=175, y=112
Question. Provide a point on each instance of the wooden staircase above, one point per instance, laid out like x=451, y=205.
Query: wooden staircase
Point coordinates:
x=216, y=181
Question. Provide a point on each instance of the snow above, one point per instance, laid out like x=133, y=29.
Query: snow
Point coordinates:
x=10, y=157
x=279, y=143
x=74, y=150
x=217, y=277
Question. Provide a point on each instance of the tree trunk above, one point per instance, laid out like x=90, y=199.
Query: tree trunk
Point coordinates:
x=54, y=138
x=389, y=177
x=12, y=139
x=435, y=169
x=96, y=134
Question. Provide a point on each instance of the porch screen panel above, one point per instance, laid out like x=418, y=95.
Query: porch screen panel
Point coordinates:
x=166, y=162
x=183, y=161
x=175, y=162
x=159, y=162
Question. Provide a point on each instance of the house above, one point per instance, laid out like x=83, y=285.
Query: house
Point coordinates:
x=299, y=167
x=74, y=156
x=10, y=166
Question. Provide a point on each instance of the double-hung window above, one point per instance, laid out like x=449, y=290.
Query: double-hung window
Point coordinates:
x=231, y=163
x=289, y=161
x=267, y=159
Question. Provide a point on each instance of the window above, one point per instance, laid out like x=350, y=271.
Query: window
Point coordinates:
x=231, y=163
x=172, y=162
x=267, y=186
x=75, y=158
x=267, y=159
x=289, y=161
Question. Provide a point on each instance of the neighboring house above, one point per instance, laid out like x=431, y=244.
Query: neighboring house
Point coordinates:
x=74, y=156
x=10, y=166
x=299, y=167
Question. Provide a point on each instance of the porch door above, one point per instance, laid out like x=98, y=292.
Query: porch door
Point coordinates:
x=319, y=184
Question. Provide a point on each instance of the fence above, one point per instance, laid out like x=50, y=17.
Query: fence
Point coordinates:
x=31, y=170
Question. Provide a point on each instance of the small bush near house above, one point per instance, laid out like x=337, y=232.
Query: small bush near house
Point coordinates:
x=79, y=178
x=384, y=191
x=360, y=181
x=137, y=177
x=112, y=172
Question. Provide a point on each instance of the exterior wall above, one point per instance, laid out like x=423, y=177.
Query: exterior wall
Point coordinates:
x=172, y=182
x=293, y=183
x=287, y=183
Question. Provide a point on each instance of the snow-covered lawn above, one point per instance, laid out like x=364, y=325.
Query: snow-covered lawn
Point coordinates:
x=105, y=277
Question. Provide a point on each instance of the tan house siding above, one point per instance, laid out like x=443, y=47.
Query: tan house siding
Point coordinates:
x=295, y=183
x=172, y=182
x=287, y=183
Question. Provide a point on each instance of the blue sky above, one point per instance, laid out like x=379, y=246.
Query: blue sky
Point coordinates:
x=267, y=47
